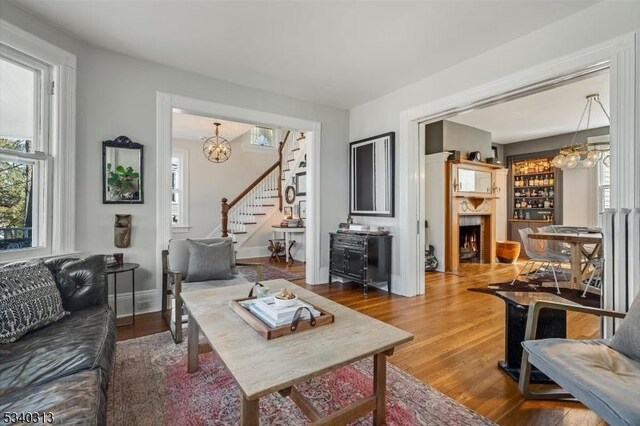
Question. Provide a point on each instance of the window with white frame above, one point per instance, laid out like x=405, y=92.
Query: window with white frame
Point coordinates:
x=263, y=136
x=37, y=146
x=604, y=187
x=179, y=190
x=25, y=181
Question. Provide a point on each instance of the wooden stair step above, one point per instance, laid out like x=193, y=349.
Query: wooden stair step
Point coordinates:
x=295, y=149
x=286, y=170
x=241, y=232
x=293, y=159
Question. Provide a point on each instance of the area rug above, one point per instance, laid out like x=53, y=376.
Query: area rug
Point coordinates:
x=591, y=299
x=270, y=273
x=151, y=386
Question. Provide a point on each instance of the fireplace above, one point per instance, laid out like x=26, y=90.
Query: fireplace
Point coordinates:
x=470, y=239
x=470, y=216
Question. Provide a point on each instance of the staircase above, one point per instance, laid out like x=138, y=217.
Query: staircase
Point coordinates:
x=262, y=199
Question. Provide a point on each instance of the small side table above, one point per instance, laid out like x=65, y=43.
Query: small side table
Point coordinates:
x=115, y=270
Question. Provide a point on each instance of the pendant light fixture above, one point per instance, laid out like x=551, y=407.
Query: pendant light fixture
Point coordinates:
x=584, y=152
x=216, y=148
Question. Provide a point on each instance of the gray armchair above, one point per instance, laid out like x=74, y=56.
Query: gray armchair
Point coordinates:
x=602, y=374
x=175, y=279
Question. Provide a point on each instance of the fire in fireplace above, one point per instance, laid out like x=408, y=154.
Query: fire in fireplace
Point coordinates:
x=470, y=239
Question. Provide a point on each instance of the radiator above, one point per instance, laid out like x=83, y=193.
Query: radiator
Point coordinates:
x=621, y=229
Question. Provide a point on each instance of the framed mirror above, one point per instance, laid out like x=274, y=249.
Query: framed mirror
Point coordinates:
x=474, y=181
x=371, y=176
x=122, y=171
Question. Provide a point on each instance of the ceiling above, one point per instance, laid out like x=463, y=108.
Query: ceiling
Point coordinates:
x=548, y=113
x=340, y=53
x=194, y=127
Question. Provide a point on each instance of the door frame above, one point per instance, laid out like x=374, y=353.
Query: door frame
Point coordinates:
x=621, y=55
x=165, y=103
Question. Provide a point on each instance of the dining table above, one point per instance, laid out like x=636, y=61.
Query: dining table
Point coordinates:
x=582, y=245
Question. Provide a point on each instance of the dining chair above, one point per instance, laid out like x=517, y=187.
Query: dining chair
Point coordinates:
x=538, y=252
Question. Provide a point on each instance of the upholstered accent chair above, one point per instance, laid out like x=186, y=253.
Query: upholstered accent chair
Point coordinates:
x=198, y=264
x=602, y=374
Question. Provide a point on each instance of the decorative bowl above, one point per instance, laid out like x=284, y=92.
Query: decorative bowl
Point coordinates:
x=284, y=303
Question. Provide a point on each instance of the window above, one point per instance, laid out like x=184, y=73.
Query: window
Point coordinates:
x=25, y=185
x=37, y=146
x=263, y=136
x=604, y=187
x=179, y=191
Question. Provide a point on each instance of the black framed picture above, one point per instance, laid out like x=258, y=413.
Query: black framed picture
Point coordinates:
x=301, y=184
x=371, y=176
x=302, y=209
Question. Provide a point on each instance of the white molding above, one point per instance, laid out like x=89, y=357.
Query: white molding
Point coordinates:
x=124, y=302
x=164, y=119
x=164, y=104
x=24, y=41
x=618, y=53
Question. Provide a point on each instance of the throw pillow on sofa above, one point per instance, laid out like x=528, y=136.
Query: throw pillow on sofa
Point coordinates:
x=209, y=261
x=29, y=300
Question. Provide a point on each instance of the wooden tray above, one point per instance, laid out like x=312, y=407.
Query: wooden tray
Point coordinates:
x=283, y=330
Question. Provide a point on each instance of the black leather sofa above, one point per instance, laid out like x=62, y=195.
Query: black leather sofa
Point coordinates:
x=64, y=368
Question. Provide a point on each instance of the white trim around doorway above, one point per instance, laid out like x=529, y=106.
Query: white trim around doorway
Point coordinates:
x=165, y=103
x=620, y=54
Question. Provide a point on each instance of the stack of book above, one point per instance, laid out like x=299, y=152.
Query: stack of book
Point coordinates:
x=265, y=310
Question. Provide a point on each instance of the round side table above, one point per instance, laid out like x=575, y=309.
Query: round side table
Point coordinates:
x=115, y=270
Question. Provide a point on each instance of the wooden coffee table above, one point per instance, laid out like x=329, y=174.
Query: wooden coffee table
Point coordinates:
x=261, y=367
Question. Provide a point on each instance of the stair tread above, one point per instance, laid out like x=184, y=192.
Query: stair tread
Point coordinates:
x=295, y=149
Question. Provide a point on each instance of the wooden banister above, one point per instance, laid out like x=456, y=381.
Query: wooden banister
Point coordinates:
x=226, y=206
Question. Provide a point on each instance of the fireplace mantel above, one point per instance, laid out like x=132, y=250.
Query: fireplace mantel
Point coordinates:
x=481, y=205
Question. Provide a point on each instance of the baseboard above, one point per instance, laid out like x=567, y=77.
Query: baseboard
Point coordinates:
x=146, y=301
x=251, y=252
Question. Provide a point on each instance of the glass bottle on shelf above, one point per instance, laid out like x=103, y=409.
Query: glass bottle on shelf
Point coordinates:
x=551, y=193
x=546, y=180
x=551, y=180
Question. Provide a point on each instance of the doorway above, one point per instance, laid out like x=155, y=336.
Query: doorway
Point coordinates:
x=624, y=176
x=167, y=104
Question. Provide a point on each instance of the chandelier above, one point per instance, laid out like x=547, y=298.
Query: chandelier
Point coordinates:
x=585, y=153
x=216, y=148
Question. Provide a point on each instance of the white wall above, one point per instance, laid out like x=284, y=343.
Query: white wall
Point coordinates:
x=435, y=177
x=210, y=182
x=599, y=23
x=116, y=95
x=580, y=196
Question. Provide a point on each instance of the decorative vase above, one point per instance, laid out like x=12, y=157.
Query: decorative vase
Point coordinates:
x=122, y=231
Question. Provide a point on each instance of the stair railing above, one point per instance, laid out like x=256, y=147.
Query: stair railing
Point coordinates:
x=242, y=209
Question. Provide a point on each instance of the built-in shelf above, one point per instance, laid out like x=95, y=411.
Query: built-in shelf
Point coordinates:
x=534, y=186
x=533, y=174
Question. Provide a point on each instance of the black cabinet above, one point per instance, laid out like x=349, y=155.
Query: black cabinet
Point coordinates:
x=365, y=259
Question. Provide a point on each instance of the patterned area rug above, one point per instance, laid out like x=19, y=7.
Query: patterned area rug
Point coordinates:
x=270, y=273
x=151, y=386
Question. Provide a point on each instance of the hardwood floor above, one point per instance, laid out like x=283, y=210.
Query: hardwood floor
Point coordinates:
x=459, y=338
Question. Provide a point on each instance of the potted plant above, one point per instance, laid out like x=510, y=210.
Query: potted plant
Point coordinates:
x=122, y=181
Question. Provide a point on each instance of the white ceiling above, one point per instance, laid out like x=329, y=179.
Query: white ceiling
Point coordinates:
x=548, y=113
x=340, y=53
x=194, y=127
